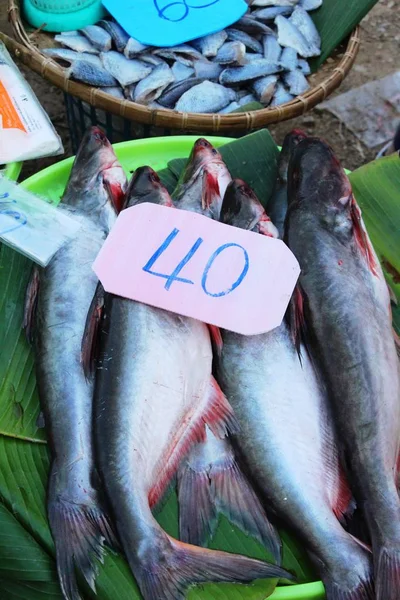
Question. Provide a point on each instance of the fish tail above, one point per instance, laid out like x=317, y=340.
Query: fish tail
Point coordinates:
x=79, y=533
x=387, y=573
x=166, y=571
x=363, y=591
x=222, y=489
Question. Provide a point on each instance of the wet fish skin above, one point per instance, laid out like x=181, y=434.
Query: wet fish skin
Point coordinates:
x=271, y=12
x=275, y=2
x=115, y=91
x=304, y=66
x=118, y=34
x=230, y=108
x=281, y=405
x=250, y=57
x=264, y=88
x=207, y=70
x=141, y=434
x=151, y=59
x=184, y=53
x=247, y=99
x=133, y=48
x=253, y=70
x=210, y=44
x=89, y=73
x=206, y=97
x=151, y=87
x=79, y=43
x=124, y=70
x=253, y=26
x=97, y=36
x=289, y=59
x=281, y=95
x=75, y=506
x=70, y=56
x=304, y=23
x=296, y=82
x=236, y=35
x=182, y=72
x=175, y=91
x=361, y=365
x=310, y=4
x=289, y=35
x=231, y=53
x=272, y=50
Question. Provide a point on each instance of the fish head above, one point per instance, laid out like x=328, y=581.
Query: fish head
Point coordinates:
x=97, y=182
x=241, y=208
x=146, y=186
x=292, y=139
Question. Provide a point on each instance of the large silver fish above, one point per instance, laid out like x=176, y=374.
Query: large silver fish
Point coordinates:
x=154, y=396
x=286, y=436
x=347, y=304
x=63, y=292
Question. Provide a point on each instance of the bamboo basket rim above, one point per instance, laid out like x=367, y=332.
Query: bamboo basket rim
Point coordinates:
x=216, y=123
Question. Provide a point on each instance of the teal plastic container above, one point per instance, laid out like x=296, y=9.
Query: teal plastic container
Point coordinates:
x=62, y=15
x=156, y=152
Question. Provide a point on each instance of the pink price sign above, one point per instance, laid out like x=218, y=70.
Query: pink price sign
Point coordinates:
x=188, y=264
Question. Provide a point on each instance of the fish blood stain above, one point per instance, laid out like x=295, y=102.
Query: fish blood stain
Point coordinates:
x=340, y=262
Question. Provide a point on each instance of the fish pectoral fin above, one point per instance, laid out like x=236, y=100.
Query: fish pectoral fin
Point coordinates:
x=210, y=191
x=345, y=504
x=90, y=335
x=31, y=298
x=296, y=319
x=216, y=339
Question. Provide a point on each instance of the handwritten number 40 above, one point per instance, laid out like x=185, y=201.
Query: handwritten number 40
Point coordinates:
x=175, y=273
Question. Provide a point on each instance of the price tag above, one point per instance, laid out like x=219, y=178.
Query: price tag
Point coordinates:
x=188, y=264
x=172, y=22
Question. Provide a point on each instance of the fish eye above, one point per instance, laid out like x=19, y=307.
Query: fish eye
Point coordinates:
x=214, y=151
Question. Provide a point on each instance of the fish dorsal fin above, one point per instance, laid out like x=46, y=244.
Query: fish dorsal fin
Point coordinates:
x=361, y=237
x=90, y=335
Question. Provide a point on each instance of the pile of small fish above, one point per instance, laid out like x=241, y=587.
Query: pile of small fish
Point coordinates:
x=261, y=58
x=299, y=425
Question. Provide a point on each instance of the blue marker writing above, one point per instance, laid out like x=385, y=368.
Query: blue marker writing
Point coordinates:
x=211, y=262
x=178, y=10
x=5, y=210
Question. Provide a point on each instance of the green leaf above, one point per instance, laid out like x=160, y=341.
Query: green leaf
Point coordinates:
x=335, y=20
x=23, y=590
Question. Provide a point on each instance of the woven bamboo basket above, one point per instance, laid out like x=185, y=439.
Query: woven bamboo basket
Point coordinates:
x=327, y=79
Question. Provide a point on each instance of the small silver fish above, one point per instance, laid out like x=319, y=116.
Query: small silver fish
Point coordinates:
x=91, y=74
x=235, y=35
x=304, y=67
x=76, y=42
x=296, y=82
x=134, y=47
x=251, y=25
x=264, y=88
x=124, y=70
x=118, y=34
x=99, y=37
x=272, y=50
x=304, y=23
x=205, y=69
x=117, y=92
x=174, y=91
x=207, y=97
x=230, y=108
x=281, y=95
x=184, y=53
x=310, y=4
x=210, y=44
x=152, y=86
x=254, y=70
x=231, y=53
x=71, y=55
x=290, y=35
x=181, y=71
x=289, y=59
x=271, y=12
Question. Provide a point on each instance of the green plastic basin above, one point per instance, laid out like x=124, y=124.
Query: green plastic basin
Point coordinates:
x=156, y=152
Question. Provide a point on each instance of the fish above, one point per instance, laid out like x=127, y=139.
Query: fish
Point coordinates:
x=272, y=50
x=206, y=97
x=286, y=441
x=205, y=69
x=79, y=43
x=264, y=88
x=281, y=95
x=253, y=70
x=230, y=108
x=182, y=72
x=115, y=91
x=304, y=23
x=69, y=56
x=210, y=44
x=235, y=35
x=296, y=82
x=247, y=99
x=151, y=59
x=57, y=301
x=252, y=56
x=253, y=26
x=304, y=67
x=271, y=12
x=231, y=53
x=275, y=2
x=278, y=202
x=124, y=70
x=290, y=36
x=171, y=95
x=153, y=85
x=118, y=34
x=134, y=47
x=184, y=53
x=98, y=37
x=205, y=177
x=310, y=4
x=289, y=59
x=147, y=440
x=91, y=74
x=325, y=231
